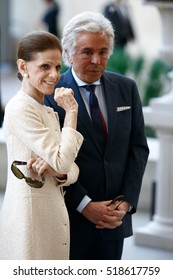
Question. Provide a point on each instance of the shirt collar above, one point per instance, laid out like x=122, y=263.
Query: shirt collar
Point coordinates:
x=80, y=83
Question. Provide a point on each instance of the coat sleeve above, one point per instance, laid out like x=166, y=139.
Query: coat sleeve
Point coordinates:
x=58, y=149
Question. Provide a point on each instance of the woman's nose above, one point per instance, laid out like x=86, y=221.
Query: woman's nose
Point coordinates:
x=55, y=73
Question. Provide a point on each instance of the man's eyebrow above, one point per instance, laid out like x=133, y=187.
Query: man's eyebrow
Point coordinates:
x=88, y=48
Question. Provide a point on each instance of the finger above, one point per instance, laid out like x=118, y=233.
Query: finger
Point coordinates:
x=112, y=220
x=30, y=162
x=36, y=165
x=113, y=216
x=102, y=224
x=60, y=92
x=41, y=167
x=107, y=202
x=100, y=227
x=115, y=205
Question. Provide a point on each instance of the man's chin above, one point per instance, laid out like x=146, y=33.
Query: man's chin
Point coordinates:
x=92, y=78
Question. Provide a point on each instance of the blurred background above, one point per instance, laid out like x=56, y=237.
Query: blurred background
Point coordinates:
x=19, y=17
x=140, y=57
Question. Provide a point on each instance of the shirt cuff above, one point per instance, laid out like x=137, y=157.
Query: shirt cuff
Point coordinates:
x=86, y=199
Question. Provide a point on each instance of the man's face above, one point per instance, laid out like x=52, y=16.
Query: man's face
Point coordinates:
x=91, y=55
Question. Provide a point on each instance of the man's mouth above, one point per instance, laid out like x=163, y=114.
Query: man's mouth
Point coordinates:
x=95, y=70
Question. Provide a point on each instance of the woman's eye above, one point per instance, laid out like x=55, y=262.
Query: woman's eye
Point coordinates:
x=58, y=67
x=45, y=66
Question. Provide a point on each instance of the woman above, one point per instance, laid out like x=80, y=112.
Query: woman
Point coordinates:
x=35, y=223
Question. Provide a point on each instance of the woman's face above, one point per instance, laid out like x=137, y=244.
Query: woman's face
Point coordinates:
x=43, y=73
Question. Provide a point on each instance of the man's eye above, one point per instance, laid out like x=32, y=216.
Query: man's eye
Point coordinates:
x=103, y=53
x=88, y=53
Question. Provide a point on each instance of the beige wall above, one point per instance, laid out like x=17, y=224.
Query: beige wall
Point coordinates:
x=145, y=18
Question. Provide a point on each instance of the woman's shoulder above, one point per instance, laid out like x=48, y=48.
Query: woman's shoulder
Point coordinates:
x=22, y=105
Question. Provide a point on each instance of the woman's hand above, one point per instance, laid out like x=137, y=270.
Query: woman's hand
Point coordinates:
x=41, y=167
x=65, y=98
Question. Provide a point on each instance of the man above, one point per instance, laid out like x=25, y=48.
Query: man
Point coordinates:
x=118, y=14
x=51, y=16
x=112, y=163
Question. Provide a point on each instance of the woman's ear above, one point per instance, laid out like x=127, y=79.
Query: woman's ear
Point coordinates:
x=22, y=68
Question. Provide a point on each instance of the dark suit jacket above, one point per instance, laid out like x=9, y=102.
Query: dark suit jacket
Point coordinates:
x=121, y=169
x=123, y=29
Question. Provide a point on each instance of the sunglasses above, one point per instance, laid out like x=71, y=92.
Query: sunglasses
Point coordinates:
x=31, y=182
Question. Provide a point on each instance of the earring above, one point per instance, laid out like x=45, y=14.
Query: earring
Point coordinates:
x=25, y=75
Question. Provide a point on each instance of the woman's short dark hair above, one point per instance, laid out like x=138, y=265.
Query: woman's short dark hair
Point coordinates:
x=35, y=42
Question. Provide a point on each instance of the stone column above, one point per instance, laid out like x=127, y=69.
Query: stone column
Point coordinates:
x=159, y=115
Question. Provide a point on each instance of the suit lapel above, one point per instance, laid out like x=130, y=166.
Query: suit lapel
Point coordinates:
x=110, y=90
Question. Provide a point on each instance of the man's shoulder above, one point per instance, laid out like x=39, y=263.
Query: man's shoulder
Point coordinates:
x=64, y=78
x=114, y=76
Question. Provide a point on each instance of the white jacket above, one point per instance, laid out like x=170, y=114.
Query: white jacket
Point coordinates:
x=34, y=222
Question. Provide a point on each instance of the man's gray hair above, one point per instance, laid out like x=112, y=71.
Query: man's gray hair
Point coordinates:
x=84, y=22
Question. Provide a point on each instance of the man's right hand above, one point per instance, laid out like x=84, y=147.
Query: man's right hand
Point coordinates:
x=102, y=215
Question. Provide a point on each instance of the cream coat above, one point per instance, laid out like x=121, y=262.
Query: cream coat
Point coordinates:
x=34, y=222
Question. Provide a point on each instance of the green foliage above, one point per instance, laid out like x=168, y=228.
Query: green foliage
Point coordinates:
x=150, y=132
x=137, y=65
x=63, y=68
x=155, y=81
x=150, y=77
x=152, y=80
x=119, y=62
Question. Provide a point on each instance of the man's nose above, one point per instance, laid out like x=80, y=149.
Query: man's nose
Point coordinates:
x=95, y=58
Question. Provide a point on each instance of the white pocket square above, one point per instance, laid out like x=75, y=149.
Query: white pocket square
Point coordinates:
x=123, y=108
